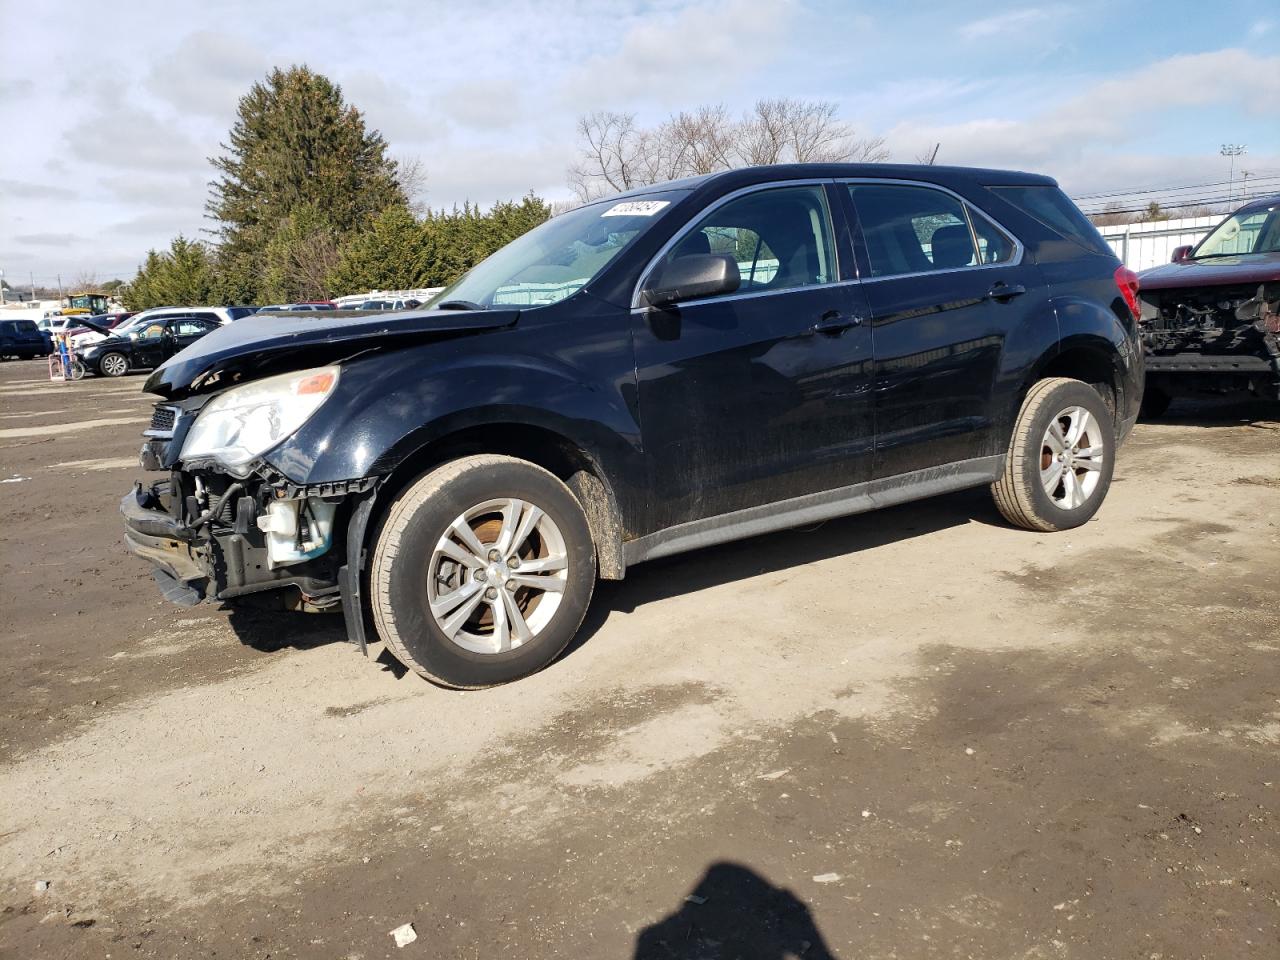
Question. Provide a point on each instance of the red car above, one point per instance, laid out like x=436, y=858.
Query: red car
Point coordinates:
x=108, y=320
x=1211, y=318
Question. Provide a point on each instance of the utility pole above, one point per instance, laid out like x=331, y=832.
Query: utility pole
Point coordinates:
x=2, y=289
x=59, y=289
x=31, y=275
x=1231, y=150
x=1244, y=185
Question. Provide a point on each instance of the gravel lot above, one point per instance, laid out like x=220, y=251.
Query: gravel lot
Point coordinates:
x=917, y=733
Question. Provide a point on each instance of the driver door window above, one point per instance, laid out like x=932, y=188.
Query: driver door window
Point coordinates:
x=781, y=239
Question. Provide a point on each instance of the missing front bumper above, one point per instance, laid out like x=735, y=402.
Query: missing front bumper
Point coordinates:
x=158, y=538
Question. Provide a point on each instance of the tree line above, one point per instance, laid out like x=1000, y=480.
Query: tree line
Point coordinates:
x=307, y=204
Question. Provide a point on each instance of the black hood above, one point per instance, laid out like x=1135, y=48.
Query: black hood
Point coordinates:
x=96, y=328
x=257, y=347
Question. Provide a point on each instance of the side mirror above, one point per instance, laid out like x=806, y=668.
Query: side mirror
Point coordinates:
x=1181, y=253
x=693, y=276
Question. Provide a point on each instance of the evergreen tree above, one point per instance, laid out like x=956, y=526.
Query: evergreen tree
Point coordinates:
x=295, y=142
x=400, y=252
x=179, y=276
x=299, y=257
x=393, y=254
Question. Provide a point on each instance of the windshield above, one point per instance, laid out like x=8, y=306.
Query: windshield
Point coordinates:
x=1251, y=231
x=555, y=260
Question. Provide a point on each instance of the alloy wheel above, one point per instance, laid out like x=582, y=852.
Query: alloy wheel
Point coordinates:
x=497, y=576
x=114, y=365
x=1072, y=454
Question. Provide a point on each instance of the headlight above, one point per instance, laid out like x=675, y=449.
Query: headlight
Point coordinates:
x=245, y=422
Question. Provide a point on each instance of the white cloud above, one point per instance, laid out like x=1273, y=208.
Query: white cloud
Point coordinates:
x=24, y=190
x=1007, y=23
x=486, y=104
x=1084, y=139
x=694, y=55
x=207, y=72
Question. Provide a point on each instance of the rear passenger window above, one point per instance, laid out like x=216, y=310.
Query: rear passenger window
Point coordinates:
x=994, y=245
x=1052, y=207
x=193, y=327
x=912, y=229
x=780, y=238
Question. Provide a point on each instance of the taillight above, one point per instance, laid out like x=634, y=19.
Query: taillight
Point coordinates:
x=1127, y=284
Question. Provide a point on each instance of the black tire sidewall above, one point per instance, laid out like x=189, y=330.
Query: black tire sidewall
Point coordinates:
x=418, y=631
x=1060, y=398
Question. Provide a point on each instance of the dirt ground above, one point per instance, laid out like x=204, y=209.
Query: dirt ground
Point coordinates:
x=917, y=733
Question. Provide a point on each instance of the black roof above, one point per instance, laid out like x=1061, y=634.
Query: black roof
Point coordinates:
x=748, y=176
x=1263, y=203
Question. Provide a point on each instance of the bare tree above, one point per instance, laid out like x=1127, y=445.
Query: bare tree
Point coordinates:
x=929, y=156
x=617, y=154
x=787, y=130
x=611, y=158
x=86, y=280
x=1113, y=214
x=411, y=174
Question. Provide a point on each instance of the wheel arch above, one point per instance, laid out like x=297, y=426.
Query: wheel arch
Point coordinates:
x=1093, y=359
x=540, y=445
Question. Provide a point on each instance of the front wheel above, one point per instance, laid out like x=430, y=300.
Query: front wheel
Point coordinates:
x=114, y=365
x=482, y=572
x=1060, y=460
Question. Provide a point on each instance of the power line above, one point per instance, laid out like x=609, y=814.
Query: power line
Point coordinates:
x=1203, y=202
x=1269, y=181
x=1127, y=191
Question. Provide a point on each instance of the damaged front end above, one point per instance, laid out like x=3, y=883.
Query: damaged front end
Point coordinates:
x=223, y=523
x=246, y=414
x=1214, y=339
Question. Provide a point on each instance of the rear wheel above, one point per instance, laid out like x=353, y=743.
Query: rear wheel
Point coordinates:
x=113, y=364
x=1061, y=457
x=482, y=572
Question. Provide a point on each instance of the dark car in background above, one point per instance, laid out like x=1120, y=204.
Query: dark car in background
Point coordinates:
x=1211, y=318
x=308, y=306
x=147, y=347
x=21, y=339
x=684, y=365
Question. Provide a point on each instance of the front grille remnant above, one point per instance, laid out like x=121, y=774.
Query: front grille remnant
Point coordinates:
x=162, y=421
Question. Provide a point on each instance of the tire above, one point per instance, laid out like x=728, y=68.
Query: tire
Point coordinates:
x=1022, y=494
x=1154, y=403
x=486, y=496
x=113, y=364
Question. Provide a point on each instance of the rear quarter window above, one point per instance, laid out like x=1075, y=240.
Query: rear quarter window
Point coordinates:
x=1054, y=209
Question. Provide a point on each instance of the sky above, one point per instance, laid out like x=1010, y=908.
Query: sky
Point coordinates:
x=110, y=111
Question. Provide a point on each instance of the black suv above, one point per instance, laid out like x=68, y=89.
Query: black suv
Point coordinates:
x=21, y=339
x=676, y=367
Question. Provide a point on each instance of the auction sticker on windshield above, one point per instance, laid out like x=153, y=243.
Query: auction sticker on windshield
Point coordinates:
x=636, y=208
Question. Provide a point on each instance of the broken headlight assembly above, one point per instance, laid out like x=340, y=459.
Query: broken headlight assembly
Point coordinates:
x=238, y=426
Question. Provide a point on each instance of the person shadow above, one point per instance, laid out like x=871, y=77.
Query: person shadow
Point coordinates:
x=736, y=914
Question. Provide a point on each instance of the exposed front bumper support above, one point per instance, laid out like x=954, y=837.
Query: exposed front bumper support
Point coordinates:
x=160, y=539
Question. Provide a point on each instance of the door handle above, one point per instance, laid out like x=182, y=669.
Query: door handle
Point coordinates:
x=833, y=323
x=1002, y=291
